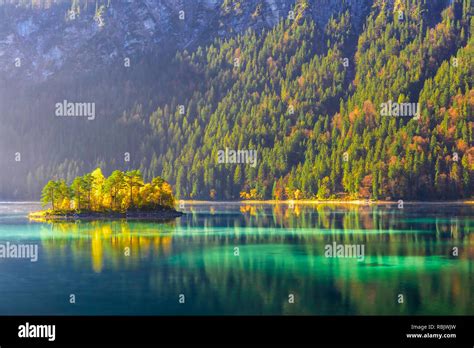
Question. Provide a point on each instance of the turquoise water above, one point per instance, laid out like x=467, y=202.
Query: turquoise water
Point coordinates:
x=280, y=266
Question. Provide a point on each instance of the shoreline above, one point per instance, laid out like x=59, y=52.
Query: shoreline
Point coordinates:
x=302, y=201
x=335, y=202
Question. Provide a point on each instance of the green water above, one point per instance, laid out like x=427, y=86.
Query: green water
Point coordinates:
x=280, y=266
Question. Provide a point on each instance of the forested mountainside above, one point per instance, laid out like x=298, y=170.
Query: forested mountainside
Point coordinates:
x=351, y=99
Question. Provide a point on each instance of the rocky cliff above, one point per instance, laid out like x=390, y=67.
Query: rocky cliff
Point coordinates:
x=39, y=38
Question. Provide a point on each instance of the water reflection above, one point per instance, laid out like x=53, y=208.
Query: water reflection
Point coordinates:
x=120, y=243
x=281, y=252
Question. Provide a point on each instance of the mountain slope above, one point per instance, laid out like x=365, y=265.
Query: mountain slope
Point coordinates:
x=306, y=93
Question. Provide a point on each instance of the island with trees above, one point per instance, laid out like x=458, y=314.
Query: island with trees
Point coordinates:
x=94, y=196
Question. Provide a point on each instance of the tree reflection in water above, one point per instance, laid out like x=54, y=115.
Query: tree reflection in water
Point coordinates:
x=281, y=249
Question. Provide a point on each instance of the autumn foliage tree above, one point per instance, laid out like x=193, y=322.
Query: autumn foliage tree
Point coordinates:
x=119, y=192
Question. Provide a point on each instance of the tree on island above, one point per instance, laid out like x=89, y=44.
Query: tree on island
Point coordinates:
x=77, y=191
x=119, y=192
x=133, y=179
x=113, y=185
x=48, y=193
x=57, y=193
x=87, y=188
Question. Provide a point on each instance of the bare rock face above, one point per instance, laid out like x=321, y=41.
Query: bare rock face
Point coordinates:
x=36, y=42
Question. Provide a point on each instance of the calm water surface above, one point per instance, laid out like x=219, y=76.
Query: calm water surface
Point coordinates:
x=281, y=252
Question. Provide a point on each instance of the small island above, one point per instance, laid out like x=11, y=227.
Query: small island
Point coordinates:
x=122, y=195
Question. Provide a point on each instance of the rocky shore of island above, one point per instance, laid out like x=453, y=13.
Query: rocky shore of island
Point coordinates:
x=154, y=215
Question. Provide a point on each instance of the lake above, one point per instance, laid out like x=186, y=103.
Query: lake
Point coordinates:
x=238, y=259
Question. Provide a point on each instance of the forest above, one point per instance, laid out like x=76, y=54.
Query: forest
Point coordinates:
x=120, y=192
x=313, y=110
x=308, y=99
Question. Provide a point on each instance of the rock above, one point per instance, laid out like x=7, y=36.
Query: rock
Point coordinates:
x=46, y=39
